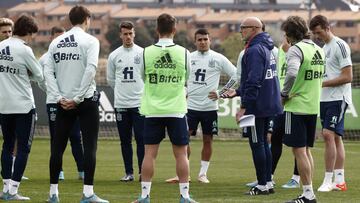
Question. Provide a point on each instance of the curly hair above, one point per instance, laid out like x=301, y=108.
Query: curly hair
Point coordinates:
x=296, y=28
x=25, y=25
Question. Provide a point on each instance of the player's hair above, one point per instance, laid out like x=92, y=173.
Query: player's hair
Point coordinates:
x=319, y=20
x=201, y=31
x=262, y=26
x=126, y=24
x=165, y=24
x=25, y=25
x=6, y=22
x=296, y=28
x=78, y=15
x=57, y=29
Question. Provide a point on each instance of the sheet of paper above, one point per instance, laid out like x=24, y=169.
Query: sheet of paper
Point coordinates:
x=247, y=121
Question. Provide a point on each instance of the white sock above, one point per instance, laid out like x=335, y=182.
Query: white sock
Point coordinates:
x=328, y=177
x=204, y=167
x=14, y=186
x=13, y=164
x=262, y=187
x=145, y=189
x=54, y=189
x=269, y=185
x=308, y=192
x=184, y=189
x=272, y=176
x=6, y=185
x=88, y=190
x=296, y=178
x=339, y=176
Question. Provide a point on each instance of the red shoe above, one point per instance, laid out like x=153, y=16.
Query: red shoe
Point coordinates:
x=340, y=187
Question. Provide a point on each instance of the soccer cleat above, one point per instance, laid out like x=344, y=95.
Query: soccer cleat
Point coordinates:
x=53, y=199
x=61, y=175
x=17, y=197
x=339, y=187
x=271, y=191
x=252, y=184
x=24, y=178
x=127, y=178
x=81, y=175
x=291, y=184
x=187, y=200
x=3, y=195
x=203, y=179
x=325, y=187
x=256, y=191
x=92, y=199
x=142, y=200
x=302, y=199
x=173, y=180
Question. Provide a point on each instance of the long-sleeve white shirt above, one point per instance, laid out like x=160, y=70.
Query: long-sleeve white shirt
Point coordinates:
x=205, y=72
x=17, y=62
x=50, y=97
x=124, y=76
x=73, y=59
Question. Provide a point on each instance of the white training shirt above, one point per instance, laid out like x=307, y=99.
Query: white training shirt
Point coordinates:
x=50, y=97
x=337, y=56
x=205, y=72
x=124, y=76
x=17, y=61
x=73, y=59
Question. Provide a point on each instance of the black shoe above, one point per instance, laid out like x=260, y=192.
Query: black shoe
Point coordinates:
x=271, y=191
x=302, y=199
x=257, y=191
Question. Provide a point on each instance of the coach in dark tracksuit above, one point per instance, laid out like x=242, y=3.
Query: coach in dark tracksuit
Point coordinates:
x=260, y=95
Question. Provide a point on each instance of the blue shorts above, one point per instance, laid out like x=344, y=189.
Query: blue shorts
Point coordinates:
x=332, y=116
x=207, y=119
x=299, y=130
x=177, y=129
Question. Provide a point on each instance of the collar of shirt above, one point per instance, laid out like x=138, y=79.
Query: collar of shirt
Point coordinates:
x=205, y=53
x=17, y=39
x=165, y=42
x=77, y=28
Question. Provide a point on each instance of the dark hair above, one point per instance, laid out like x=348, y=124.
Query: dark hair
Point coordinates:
x=201, y=31
x=296, y=28
x=127, y=25
x=6, y=22
x=165, y=23
x=262, y=26
x=25, y=25
x=319, y=20
x=57, y=29
x=78, y=15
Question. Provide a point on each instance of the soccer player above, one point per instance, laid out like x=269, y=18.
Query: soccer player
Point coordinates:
x=202, y=89
x=18, y=66
x=73, y=59
x=260, y=96
x=335, y=97
x=123, y=75
x=301, y=98
x=6, y=27
x=51, y=106
x=164, y=105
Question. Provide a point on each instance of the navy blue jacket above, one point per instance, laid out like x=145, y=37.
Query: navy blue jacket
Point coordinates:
x=259, y=86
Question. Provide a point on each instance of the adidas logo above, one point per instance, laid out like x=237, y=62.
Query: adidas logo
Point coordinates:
x=68, y=42
x=106, y=110
x=165, y=61
x=317, y=59
x=5, y=54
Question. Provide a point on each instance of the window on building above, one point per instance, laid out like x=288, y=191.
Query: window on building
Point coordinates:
x=349, y=24
x=94, y=31
x=215, y=25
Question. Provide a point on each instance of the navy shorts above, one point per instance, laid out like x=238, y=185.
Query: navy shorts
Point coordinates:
x=299, y=130
x=332, y=116
x=207, y=119
x=177, y=129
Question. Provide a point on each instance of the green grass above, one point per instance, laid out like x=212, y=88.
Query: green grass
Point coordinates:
x=230, y=169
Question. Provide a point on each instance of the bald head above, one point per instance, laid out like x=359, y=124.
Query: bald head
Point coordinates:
x=252, y=21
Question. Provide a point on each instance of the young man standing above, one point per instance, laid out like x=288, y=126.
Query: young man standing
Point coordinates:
x=73, y=59
x=335, y=97
x=123, y=75
x=164, y=105
x=301, y=96
x=51, y=107
x=6, y=27
x=18, y=66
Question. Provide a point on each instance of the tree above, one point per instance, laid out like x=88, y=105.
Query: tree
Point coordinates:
x=232, y=47
x=112, y=36
x=181, y=38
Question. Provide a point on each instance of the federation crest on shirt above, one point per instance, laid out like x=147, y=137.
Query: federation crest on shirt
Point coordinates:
x=193, y=62
x=212, y=63
x=137, y=59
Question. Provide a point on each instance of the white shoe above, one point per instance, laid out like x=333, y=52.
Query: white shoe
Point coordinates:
x=203, y=179
x=325, y=187
x=173, y=180
x=252, y=184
